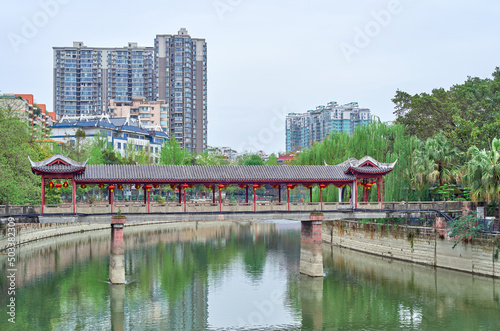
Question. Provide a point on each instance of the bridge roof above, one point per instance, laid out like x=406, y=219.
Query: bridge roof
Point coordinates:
x=204, y=174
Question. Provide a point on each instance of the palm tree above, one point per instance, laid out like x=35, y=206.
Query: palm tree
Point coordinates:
x=483, y=173
x=436, y=161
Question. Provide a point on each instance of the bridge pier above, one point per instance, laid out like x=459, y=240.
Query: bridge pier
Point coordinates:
x=311, y=253
x=117, y=251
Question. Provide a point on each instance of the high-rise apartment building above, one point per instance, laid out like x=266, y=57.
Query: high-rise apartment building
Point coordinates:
x=85, y=78
x=181, y=79
x=174, y=72
x=304, y=129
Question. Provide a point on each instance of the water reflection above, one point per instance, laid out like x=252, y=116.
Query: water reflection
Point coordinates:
x=228, y=276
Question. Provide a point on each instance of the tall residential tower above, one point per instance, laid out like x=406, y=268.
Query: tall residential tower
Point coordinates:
x=304, y=129
x=173, y=72
x=181, y=80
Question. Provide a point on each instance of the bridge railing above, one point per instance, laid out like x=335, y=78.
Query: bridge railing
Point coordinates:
x=208, y=206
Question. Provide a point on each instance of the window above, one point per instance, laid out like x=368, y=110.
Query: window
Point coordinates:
x=119, y=145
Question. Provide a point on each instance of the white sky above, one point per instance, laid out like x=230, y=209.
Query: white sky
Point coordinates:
x=268, y=57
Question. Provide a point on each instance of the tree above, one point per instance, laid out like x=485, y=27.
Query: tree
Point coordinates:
x=272, y=160
x=483, y=173
x=18, y=185
x=467, y=114
x=253, y=159
x=173, y=153
x=436, y=161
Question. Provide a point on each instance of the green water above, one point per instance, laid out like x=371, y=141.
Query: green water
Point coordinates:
x=203, y=276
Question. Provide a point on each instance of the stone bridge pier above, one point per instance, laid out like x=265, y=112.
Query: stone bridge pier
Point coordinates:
x=311, y=253
x=117, y=251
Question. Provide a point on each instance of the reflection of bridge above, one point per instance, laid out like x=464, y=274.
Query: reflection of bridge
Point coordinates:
x=368, y=173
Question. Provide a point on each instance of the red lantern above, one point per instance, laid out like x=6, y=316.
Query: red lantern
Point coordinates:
x=255, y=187
x=221, y=186
x=137, y=186
x=111, y=188
x=289, y=186
x=101, y=186
x=65, y=184
x=208, y=186
x=51, y=185
x=156, y=186
x=322, y=186
x=83, y=186
x=173, y=186
x=148, y=187
x=120, y=187
x=58, y=186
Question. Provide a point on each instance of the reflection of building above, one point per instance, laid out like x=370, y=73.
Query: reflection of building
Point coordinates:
x=35, y=115
x=303, y=130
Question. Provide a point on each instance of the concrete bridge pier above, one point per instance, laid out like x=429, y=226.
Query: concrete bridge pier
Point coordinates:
x=311, y=253
x=117, y=251
x=117, y=306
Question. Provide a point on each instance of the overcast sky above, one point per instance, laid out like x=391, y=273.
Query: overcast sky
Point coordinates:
x=267, y=58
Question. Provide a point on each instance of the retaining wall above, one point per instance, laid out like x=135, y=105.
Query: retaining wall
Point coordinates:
x=421, y=245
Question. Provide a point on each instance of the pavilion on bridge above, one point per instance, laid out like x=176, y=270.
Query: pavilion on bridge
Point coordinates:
x=365, y=172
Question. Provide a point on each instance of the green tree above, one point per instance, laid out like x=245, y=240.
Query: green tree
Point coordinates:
x=483, y=173
x=272, y=160
x=173, y=153
x=467, y=114
x=253, y=159
x=436, y=161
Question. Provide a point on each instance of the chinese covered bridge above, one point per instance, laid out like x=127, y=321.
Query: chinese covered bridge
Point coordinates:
x=365, y=172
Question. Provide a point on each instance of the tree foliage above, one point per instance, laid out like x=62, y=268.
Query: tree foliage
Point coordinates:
x=467, y=114
x=173, y=153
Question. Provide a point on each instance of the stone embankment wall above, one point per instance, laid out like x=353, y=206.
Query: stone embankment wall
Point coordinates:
x=423, y=245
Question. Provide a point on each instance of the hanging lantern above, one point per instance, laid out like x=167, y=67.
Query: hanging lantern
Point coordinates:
x=307, y=185
x=221, y=186
x=322, y=186
x=51, y=185
x=111, y=188
x=255, y=187
x=137, y=186
x=275, y=187
x=242, y=186
x=65, y=184
x=208, y=187
x=58, y=186
x=156, y=185
x=120, y=187
x=101, y=186
x=339, y=186
x=173, y=186
x=148, y=187
x=83, y=186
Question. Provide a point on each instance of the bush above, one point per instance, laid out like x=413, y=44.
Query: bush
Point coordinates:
x=161, y=199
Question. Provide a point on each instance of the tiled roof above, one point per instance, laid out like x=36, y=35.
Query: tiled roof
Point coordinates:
x=59, y=168
x=370, y=170
x=215, y=174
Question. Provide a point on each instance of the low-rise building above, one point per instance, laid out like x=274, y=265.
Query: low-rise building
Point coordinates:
x=150, y=114
x=124, y=134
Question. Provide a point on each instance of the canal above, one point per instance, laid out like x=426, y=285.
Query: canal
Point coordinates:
x=235, y=276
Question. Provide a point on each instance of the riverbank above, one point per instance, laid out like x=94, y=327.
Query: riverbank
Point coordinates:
x=423, y=245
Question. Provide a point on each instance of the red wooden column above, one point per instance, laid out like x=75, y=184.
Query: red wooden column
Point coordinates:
x=213, y=193
x=220, y=196
x=73, y=193
x=180, y=194
x=145, y=195
x=288, y=188
x=321, y=187
x=110, y=195
x=355, y=194
x=147, y=189
x=279, y=193
x=43, y=191
x=311, y=194
x=255, y=187
x=185, y=186
x=380, y=187
x=365, y=191
x=246, y=194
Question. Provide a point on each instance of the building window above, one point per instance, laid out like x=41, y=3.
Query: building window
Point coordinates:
x=119, y=145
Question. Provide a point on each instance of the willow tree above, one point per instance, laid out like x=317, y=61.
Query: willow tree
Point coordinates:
x=483, y=173
x=383, y=142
